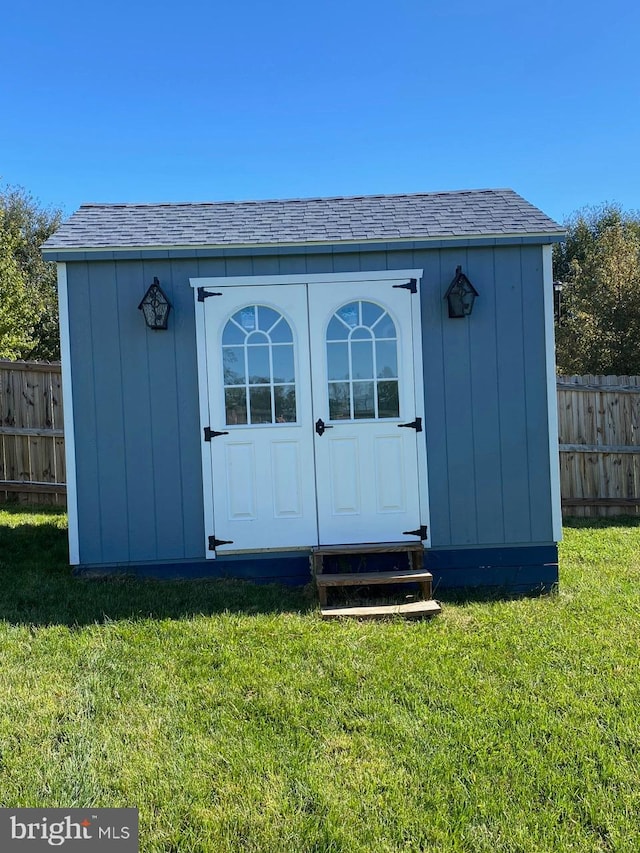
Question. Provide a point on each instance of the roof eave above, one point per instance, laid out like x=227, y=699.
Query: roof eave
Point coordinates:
x=543, y=236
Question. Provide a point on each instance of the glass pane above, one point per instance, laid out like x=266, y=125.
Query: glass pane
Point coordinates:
x=257, y=338
x=267, y=318
x=362, y=360
x=370, y=313
x=385, y=328
x=361, y=334
x=281, y=333
x=283, y=370
x=260, y=403
x=338, y=361
x=363, y=405
x=337, y=331
x=235, y=404
x=285, y=396
x=350, y=314
x=388, y=404
x=386, y=360
x=259, y=370
x=233, y=365
x=232, y=334
x=339, y=406
x=246, y=318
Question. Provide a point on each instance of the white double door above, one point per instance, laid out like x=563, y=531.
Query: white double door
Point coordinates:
x=311, y=392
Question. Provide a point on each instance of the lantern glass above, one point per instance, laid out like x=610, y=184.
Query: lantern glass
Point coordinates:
x=155, y=307
x=460, y=296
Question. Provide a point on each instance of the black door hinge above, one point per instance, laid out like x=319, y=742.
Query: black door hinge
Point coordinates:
x=212, y=433
x=417, y=425
x=421, y=532
x=205, y=294
x=213, y=542
x=411, y=285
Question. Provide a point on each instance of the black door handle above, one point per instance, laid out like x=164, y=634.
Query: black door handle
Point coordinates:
x=321, y=426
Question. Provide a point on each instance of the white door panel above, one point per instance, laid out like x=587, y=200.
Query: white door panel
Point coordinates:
x=259, y=396
x=363, y=389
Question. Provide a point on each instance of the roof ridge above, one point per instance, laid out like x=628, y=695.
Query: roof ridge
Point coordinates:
x=363, y=197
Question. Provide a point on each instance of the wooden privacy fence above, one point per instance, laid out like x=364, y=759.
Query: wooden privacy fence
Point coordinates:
x=599, y=435
x=31, y=434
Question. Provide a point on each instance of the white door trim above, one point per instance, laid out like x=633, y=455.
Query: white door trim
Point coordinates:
x=205, y=446
x=418, y=384
x=299, y=278
x=239, y=281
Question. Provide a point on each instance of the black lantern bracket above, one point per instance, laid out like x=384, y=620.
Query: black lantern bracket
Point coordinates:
x=155, y=307
x=460, y=296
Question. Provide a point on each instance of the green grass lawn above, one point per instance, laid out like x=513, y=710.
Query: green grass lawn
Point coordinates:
x=236, y=720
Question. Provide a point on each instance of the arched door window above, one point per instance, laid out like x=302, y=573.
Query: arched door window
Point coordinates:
x=362, y=363
x=259, y=367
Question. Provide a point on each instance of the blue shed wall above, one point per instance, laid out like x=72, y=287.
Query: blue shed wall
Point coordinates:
x=137, y=430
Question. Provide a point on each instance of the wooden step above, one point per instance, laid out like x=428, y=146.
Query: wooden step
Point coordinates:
x=366, y=578
x=412, y=610
x=367, y=548
x=413, y=551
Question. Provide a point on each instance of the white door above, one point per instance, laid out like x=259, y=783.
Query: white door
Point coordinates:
x=365, y=412
x=259, y=396
x=310, y=397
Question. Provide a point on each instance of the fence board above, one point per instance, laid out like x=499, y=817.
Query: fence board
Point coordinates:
x=32, y=466
x=599, y=435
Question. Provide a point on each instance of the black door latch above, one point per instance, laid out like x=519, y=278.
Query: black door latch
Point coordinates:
x=321, y=426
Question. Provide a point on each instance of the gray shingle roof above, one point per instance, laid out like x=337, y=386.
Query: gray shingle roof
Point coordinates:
x=383, y=218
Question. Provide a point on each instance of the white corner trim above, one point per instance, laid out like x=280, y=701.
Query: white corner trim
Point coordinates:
x=203, y=398
x=329, y=278
x=69, y=433
x=552, y=392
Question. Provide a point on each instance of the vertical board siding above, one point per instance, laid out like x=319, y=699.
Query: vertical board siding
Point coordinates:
x=512, y=394
x=83, y=353
x=111, y=481
x=436, y=415
x=189, y=439
x=136, y=403
x=138, y=438
x=485, y=399
x=164, y=433
x=459, y=407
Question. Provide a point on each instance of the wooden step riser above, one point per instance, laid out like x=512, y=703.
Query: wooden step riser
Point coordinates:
x=369, y=578
x=413, y=552
x=425, y=590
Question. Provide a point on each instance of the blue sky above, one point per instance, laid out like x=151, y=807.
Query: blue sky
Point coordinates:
x=199, y=101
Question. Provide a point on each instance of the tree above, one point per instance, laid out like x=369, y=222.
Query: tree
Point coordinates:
x=599, y=266
x=28, y=297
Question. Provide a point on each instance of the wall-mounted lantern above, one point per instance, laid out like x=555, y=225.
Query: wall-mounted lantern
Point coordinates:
x=557, y=300
x=155, y=306
x=461, y=295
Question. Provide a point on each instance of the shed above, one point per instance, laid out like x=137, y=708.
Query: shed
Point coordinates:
x=311, y=387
